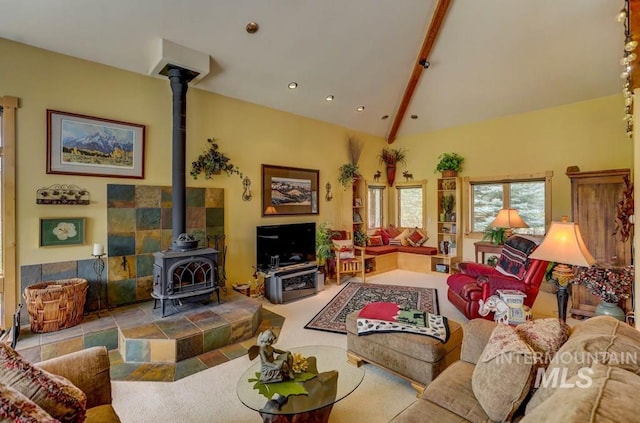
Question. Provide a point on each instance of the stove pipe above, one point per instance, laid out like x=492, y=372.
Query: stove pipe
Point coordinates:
x=179, y=78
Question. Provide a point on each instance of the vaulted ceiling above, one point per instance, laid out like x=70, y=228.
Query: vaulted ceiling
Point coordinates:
x=490, y=58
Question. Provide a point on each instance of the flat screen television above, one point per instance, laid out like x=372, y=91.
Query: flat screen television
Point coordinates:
x=291, y=243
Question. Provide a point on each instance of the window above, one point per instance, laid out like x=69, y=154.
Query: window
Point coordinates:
x=375, y=209
x=530, y=195
x=410, y=205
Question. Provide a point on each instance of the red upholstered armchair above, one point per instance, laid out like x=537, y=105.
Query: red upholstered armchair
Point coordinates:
x=515, y=270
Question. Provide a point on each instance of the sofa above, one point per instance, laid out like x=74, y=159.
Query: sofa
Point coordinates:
x=74, y=387
x=590, y=377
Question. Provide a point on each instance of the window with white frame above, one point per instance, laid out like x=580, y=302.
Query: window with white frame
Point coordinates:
x=410, y=205
x=529, y=194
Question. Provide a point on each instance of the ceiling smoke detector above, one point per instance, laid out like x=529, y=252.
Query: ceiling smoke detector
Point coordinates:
x=171, y=55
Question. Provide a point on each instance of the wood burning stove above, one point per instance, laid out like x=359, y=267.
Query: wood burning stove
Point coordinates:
x=182, y=273
x=188, y=275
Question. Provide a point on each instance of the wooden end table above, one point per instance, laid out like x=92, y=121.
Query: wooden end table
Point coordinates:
x=484, y=247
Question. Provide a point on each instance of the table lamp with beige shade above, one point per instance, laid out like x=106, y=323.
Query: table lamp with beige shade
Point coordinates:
x=563, y=244
x=508, y=219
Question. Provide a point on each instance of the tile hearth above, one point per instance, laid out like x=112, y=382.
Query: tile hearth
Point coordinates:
x=144, y=346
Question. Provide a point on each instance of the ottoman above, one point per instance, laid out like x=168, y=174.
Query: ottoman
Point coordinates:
x=416, y=358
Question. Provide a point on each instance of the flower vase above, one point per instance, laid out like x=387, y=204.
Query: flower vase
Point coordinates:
x=391, y=174
x=610, y=309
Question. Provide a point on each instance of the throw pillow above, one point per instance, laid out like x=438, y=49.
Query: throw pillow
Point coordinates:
x=335, y=234
x=514, y=257
x=385, y=236
x=15, y=407
x=55, y=394
x=545, y=336
x=502, y=377
x=402, y=238
x=393, y=231
x=511, y=262
x=417, y=238
x=344, y=247
x=375, y=240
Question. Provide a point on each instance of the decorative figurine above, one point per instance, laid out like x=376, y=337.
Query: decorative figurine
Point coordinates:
x=274, y=368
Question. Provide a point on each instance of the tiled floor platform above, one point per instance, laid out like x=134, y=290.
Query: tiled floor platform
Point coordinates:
x=145, y=346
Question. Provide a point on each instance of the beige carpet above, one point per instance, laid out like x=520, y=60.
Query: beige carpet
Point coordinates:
x=210, y=395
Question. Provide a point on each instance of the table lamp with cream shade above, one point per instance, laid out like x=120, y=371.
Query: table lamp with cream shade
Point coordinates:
x=508, y=219
x=563, y=244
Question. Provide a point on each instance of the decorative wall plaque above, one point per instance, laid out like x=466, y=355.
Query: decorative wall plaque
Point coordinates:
x=62, y=194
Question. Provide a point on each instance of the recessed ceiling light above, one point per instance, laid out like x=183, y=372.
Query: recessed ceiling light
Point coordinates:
x=385, y=117
x=360, y=109
x=293, y=85
x=252, y=27
x=414, y=116
x=329, y=98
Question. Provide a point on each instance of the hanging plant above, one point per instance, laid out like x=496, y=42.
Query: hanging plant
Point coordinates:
x=348, y=172
x=213, y=162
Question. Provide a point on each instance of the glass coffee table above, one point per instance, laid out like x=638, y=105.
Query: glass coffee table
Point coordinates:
x=335, y=374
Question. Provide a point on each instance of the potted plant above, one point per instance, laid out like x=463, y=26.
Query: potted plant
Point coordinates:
x=390, y=157
x=348, y=172
x=213, y=162
x=360, y=238
x=494, y=235
x=449, y=164
x=323, y=245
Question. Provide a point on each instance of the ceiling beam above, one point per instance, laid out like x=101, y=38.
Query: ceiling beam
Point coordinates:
x=634, y=27
x=427, y=45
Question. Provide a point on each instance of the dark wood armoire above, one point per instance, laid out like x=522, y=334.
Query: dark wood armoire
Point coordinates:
x=594, y=196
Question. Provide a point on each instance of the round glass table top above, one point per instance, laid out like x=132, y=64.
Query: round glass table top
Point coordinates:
x=329, y=361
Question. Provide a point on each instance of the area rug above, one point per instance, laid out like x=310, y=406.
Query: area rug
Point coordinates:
x=355, y=295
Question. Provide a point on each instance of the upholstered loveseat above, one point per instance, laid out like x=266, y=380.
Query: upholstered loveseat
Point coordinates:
x=38, y=393
x=592, y=378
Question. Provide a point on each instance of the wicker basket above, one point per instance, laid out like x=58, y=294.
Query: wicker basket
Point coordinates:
x=55, y=305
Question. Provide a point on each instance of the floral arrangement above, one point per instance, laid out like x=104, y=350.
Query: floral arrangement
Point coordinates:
x=300, y=363
x=392, y=156
x=610, y=285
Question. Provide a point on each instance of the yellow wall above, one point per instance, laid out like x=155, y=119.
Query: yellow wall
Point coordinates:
x=249, y=134
x=590, y=134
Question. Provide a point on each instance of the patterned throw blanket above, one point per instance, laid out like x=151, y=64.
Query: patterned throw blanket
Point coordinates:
x=389, y=317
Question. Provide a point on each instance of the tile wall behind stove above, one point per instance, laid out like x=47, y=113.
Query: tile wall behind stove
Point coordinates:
x=139, y=223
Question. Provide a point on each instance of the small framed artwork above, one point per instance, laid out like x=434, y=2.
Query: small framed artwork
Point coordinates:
x=62, y=231
x=289, y=190
x=91, y=146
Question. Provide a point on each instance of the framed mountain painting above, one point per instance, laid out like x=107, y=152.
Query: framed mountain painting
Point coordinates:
x=91, y=146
